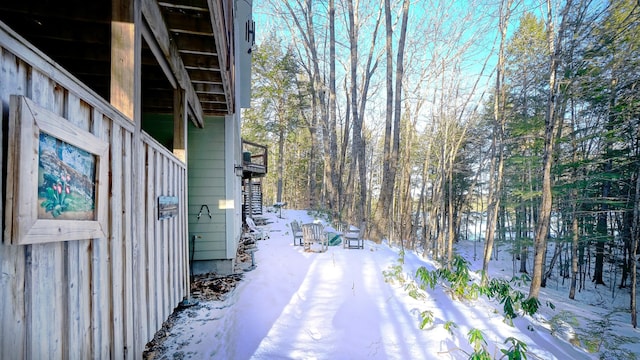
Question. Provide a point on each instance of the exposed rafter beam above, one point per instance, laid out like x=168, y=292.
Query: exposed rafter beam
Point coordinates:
x=223, y=46
x=152, y=14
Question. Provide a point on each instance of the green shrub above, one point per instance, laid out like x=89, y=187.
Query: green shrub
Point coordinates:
x=426, y=319
x=517, y=350
x=456, y=280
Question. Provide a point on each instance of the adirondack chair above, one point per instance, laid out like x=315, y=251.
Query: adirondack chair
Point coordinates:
x=314, y=233
x=296, y=231
x=260, y=234
x=354, y=235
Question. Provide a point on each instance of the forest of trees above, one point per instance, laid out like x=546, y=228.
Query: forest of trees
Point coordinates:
x=515, y=123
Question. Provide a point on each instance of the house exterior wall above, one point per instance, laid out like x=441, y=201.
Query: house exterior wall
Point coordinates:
x=105, y=298
x=234, y=183
x=208, y=194
x=214, y=186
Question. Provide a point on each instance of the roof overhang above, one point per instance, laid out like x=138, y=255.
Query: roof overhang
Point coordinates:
x=186, y=47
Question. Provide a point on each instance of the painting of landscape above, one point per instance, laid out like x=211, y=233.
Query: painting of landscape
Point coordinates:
x=66, y=181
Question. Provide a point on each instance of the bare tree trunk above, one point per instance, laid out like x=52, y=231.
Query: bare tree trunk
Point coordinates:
x=558, y=250
x=426, y=222
x=544, y=218
x=442, y=205
x=434, y=214
x=497, y=160
x=574, y=215
x=634, y=253
x=419, y=218
x=574, y=247
x=405, y=199
x=524, y=253
x=333, y=171
x=407, y=231
x=386, y=190
x=635, y=239
x=391, y=147
x=313, y=164
x=280, y=165
x=450, y=221
x=359, y=161
x=306, y=27
x=358, y=146
x=345, y=190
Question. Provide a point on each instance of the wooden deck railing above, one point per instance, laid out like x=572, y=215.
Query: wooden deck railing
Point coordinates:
x=255, y=159
x=95, y=298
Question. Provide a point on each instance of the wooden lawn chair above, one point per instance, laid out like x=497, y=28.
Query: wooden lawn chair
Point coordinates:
x=354, y=235
x=296, y=231
x=314, y=233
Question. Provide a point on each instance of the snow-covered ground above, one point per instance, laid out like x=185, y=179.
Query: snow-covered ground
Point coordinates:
x=337, y=305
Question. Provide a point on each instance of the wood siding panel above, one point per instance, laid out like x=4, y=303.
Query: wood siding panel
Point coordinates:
x=44, y=313
x=45, y=270
x=150, y=241
x=117, y=241
x=130, y=348
x=101, y=294
x=163, y=235
x=12, y=258
x=78, y=260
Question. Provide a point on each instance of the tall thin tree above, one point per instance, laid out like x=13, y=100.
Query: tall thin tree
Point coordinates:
x=551, y=119
x=497, y=142
x=393, y=114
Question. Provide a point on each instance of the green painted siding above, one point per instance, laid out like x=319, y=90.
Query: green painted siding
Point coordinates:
x=204, y=226
x=208, y=246
x=206, y=172
x=206, y=191
x=160, y=127
x=204, y=175
x=206, y=255
x=203, y=150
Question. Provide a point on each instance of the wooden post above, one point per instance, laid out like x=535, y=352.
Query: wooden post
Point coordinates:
x=126, y=96
x=250, y=196
x=180, y=124
x=125, y=58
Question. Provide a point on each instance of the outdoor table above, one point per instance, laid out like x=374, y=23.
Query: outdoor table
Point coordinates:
x=280, y=205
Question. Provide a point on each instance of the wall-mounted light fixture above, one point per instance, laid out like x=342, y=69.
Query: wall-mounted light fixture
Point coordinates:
x=238, y=169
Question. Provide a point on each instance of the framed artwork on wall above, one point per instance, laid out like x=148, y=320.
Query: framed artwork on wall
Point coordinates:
x=56, y=178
